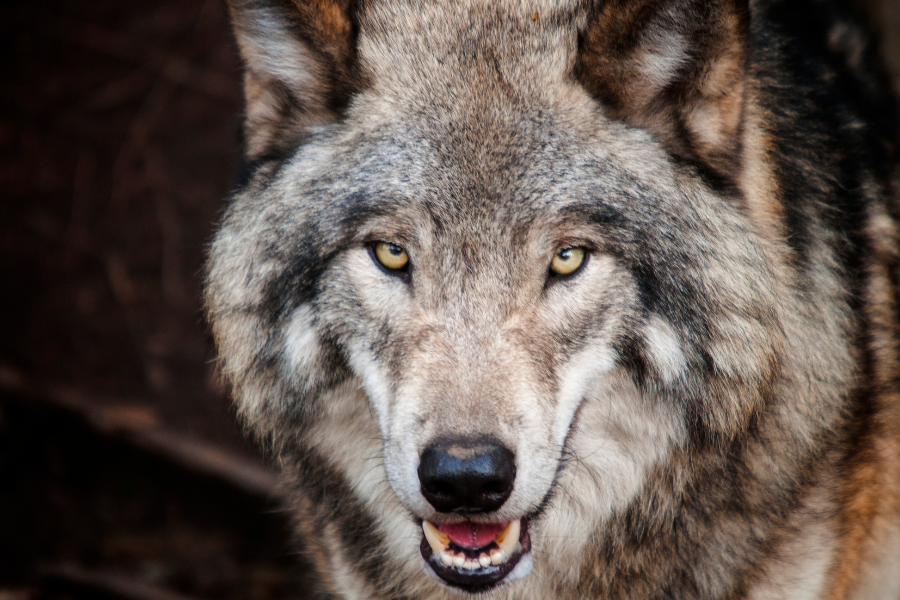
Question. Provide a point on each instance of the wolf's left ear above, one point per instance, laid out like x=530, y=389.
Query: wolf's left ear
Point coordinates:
x=300, y=60
x=676, y=68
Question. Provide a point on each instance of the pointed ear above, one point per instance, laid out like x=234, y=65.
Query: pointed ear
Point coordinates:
x=676, y=68
x=300, y=58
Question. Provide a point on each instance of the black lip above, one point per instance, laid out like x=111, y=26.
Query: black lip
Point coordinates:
x=479, y=580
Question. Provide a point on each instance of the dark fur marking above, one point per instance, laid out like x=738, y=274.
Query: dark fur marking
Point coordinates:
x=266, y=168
x=297, y=284
x=326, y=487
x=802, y=26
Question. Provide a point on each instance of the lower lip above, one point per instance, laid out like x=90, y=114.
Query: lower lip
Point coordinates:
x=483, y=578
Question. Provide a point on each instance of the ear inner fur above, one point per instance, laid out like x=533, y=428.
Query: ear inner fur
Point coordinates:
x=301, y=67
x=676, y=69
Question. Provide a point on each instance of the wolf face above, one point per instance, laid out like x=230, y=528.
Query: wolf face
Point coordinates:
x=502, y=277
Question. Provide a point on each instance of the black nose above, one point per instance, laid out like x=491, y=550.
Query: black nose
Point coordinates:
x=467, y=475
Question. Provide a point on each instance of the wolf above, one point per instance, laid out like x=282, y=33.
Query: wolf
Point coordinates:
x=565, y=299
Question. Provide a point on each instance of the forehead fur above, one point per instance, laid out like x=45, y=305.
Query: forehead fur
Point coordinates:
x=492, y=54
x=475, y=105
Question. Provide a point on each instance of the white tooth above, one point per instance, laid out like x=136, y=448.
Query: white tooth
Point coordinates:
x=447, y=558
x=459, y=560
x=471, y=565
x=484, y=560
x=509, y=537
x=497, y=557
x=437, y=539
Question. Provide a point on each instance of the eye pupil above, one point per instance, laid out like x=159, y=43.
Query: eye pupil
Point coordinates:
x=395, y=249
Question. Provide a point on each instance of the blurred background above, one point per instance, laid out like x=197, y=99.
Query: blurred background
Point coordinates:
x=123, y=474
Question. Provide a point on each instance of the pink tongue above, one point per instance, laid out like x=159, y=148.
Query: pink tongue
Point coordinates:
x=473, y=535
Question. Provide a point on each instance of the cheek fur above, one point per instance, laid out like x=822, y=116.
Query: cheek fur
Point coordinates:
x=371, y=309
x=618, y=438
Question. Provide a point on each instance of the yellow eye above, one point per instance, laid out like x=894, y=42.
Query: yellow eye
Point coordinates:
x=567, y=261
x=391, y=256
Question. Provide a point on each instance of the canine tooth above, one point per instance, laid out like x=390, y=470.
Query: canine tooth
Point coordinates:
x=459, y=560
x=497, y=557
x=509, y=537
x=501, y=535
x=437, y=539
x=447, y=558
x=484, y=560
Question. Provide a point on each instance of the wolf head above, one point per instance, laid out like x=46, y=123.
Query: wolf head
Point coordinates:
x=494, y=264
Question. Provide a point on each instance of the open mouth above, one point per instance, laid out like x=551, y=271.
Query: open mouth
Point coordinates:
x=475, y=557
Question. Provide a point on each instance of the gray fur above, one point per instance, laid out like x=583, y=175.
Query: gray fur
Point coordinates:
x=679, y=409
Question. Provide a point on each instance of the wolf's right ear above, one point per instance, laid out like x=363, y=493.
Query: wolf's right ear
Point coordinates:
x=301, y=71
x=676, y=68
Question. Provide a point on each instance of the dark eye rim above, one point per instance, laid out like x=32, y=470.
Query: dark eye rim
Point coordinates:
x=557, y=277
x=402, y=273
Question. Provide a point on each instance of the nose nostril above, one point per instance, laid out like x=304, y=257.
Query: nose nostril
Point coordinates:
x=467, y=475
x=495, y=487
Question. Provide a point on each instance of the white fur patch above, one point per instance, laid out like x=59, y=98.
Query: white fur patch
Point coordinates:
x=575, y=378
x=665, y=349
x=364, y=364
x=301, y=343
x=665, y=53
x=619, y=437
x=402, y=452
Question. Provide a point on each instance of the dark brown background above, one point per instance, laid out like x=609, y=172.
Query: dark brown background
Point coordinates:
x=122, y=472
